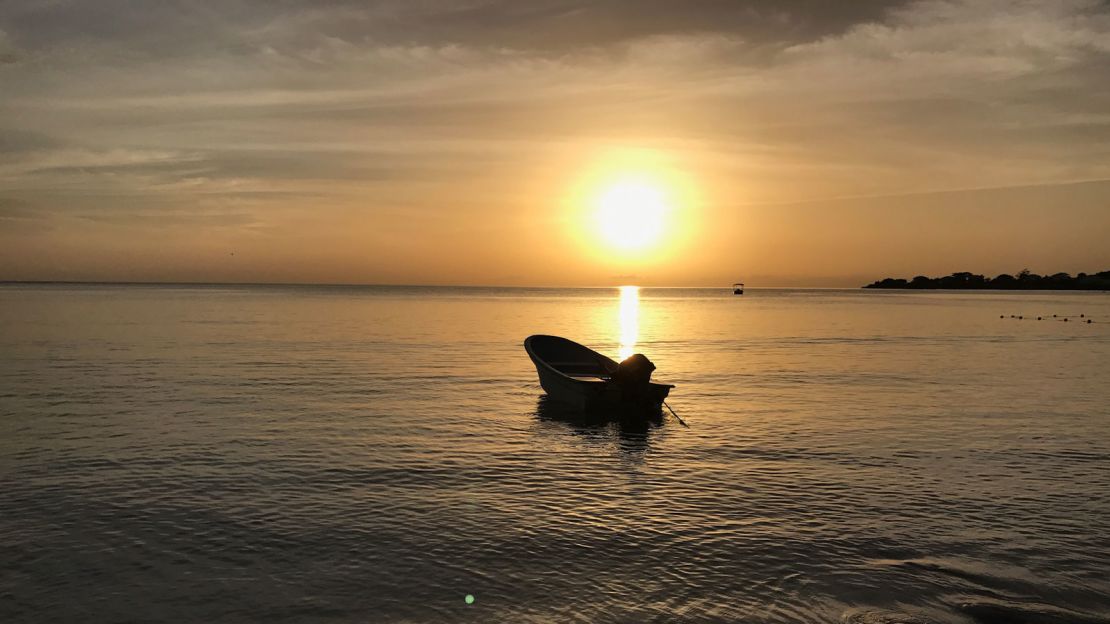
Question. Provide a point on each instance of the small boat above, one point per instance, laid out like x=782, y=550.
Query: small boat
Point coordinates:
x=738, y=288
x=579, y=376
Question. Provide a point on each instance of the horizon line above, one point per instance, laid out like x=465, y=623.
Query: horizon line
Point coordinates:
x=384, y=285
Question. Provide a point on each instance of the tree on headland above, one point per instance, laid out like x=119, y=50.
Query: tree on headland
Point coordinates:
x=1024, y=280
x=890, y=282
x=1004, y=281
x=963, y=280
x=1030, y=279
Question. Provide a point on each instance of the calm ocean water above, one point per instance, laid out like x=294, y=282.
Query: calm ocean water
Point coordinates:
x=328, y=454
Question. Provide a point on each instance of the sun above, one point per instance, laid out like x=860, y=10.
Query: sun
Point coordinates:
x=631, y=209
x=630, y=213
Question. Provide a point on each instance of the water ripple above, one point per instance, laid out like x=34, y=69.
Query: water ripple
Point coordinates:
x=292, y=455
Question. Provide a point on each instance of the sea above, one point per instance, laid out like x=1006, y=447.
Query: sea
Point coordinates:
x=230, y=453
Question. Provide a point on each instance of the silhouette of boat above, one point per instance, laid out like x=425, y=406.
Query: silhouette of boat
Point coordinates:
x=738, y=288
x=583, y=378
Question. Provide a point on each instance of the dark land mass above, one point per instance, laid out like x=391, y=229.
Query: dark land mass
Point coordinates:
x=1022, y=281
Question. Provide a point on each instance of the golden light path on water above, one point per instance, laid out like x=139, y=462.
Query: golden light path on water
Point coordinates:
x=629, y=319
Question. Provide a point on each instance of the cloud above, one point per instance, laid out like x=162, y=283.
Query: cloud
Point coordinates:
x=8, y=51
x=15, y=141
x=352, y=108
x=549, y=25
x=21, y=217
x=964, y=40
x=397, y=77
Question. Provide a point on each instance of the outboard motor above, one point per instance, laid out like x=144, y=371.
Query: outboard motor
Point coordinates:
x=633, y=375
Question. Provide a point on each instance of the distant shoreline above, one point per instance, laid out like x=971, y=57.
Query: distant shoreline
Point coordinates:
x=1024, y=280
x=919, y=283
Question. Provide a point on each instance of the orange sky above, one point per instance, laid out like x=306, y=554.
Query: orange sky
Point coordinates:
x=796, y=144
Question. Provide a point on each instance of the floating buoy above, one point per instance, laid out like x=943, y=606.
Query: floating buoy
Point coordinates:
x=1053, y=316
x=1001, y=316
x=1038, y=318
x=1080, y=316
x=1021, y=317
x=1088, y=320
x=1065, y=319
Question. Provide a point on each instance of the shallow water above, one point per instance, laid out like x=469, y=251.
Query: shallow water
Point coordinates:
x=179, y=454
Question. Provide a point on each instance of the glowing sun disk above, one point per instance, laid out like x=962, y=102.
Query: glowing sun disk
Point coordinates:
x=630, y=214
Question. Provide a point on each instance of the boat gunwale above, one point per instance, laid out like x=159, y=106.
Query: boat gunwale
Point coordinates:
x=603, y=359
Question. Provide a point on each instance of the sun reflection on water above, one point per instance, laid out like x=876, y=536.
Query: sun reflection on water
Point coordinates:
x=629, y=319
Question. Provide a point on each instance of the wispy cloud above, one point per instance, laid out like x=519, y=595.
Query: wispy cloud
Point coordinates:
x=443, y=107
x=8, y=52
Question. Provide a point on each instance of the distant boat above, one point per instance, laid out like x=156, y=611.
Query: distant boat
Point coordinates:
x=738, y=288
x=579, y=376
